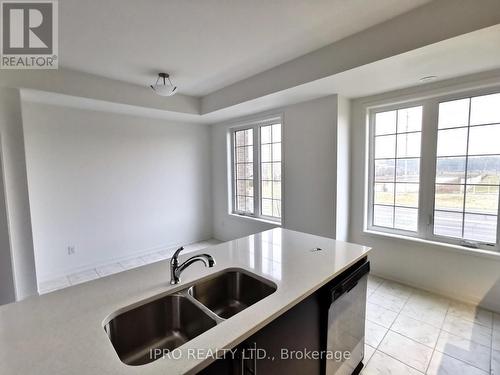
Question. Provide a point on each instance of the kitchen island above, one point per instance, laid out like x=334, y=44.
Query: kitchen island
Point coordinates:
x=64, y=332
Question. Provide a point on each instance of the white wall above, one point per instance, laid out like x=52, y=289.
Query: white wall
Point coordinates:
x=16, y=195
x=462, y=274
x=343, y=168
x=85, y=86
x=309, y=172
x=7, y=289
x=112, y=185
x=409, y=31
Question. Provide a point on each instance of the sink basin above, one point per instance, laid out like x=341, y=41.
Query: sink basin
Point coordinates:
x=146, y=331
x=231, y=292
x=165, y=324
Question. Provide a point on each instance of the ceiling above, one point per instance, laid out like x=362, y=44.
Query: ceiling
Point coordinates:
x=206, y=44
x=464, y=55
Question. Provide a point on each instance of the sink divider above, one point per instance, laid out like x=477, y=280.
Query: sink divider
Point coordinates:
x=185, y=293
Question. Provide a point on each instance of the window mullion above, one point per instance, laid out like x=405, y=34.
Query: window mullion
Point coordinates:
x=395, y=173
x=256, y=169
x=466, y=168
x=428, y=168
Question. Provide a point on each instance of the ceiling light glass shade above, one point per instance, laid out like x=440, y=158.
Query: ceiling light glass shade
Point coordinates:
x=163, y=86
x=164, y=89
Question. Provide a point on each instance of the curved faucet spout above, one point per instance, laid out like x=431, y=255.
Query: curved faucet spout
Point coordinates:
x=176, y=268
x=206, y=259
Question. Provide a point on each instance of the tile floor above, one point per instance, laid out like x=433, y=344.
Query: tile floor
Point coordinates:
x=109, y=269
x=410, y=331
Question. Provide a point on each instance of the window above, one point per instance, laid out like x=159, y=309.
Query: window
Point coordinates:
x=397, y=166
x=256, y=170
x=468, y=169
x=435, y=170
x=244, y=170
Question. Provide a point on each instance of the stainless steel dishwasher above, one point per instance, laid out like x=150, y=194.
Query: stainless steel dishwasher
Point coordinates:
x=346, y=323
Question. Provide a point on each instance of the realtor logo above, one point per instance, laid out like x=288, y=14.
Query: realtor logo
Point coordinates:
x=29, y=34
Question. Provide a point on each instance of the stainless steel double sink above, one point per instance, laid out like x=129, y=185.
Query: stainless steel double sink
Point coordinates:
x=141, y=333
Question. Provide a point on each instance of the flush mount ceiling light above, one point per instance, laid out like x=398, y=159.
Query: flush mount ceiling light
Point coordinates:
x=162, y=87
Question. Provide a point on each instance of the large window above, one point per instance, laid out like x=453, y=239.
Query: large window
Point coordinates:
x=435, y=170
x=256, y=170
x=468, y=169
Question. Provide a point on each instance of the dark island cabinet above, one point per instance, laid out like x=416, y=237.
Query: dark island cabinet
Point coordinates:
x=285, y=346
x=294, y=343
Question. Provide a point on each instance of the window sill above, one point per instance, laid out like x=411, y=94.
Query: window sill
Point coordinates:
x=492, y=254
x=252, y=218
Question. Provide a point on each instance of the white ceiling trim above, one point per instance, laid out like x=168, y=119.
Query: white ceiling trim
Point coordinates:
x=465, y=55
x=343, y=68
x=410, y=31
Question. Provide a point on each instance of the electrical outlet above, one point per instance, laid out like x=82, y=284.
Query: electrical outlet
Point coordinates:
x=71, y=250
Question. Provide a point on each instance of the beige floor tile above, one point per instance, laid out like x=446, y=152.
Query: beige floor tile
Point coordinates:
x=495, y=362
x=52, y=285
x=81, y=277
x=380, y=315
x=496, y=322
x=465, y=350
x=429, y=314
x=472, y=313
x=109, y=269
x=416, y=330
x=388, y=301
x=167, y=253
x=495, y=342
x=468, y=329
x=424, y=298
x=369, y=350
x=374, y=281
x=132, y=263
x=395, y=289
x=442, y=364
x=382, y=364
x=374, y=333
x=152, y=258
x=406, y=350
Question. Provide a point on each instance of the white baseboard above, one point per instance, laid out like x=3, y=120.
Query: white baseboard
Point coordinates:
x=136, y=254
x=440, y=292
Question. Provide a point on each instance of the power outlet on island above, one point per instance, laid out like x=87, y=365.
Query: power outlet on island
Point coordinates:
x=71, y=250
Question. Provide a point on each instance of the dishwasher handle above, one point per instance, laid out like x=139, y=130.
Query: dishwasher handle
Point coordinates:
x=351, y=281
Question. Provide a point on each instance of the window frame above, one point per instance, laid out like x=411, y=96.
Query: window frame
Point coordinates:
x=428, y=161
x=256, y=125
x=371, y=168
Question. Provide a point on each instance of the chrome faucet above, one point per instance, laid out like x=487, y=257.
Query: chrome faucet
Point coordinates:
x=176, y=269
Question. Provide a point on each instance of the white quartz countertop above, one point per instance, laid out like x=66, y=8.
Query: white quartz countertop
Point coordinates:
x=61, y=333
